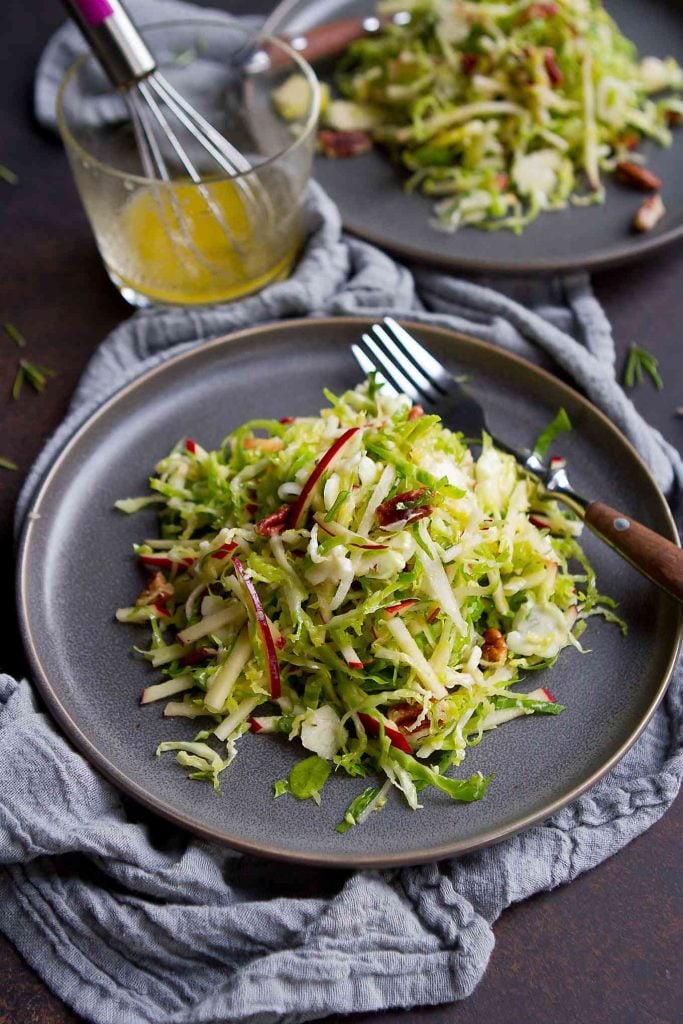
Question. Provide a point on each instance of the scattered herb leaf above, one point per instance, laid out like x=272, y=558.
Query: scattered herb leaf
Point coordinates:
x=6, y=463
x=7, y=175
x=17, y=383
x=639, y=360
x=35, y=375
x=15, y=335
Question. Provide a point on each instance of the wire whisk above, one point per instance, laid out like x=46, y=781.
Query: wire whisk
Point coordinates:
x=158, y=113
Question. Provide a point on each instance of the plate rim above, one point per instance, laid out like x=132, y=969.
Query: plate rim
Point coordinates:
x=276, y=25
x=73, y=732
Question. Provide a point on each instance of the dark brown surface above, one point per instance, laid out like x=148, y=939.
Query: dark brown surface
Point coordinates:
x=605, y=950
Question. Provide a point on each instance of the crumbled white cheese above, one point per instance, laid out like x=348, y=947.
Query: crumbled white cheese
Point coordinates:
x=322, y=732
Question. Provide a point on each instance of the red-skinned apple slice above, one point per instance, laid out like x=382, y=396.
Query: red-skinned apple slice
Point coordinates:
x=264, y=629
x=298, y=510
x=224, y=550
x=397, y=609
x=371, y=726
x=539, y=521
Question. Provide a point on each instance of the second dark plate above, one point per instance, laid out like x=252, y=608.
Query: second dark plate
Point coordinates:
x=369, y=189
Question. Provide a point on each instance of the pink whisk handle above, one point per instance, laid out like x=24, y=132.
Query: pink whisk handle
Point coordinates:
x=114, y=40
x=94, y=12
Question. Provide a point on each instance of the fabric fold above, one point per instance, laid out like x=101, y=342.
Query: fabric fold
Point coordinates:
x=131, y=922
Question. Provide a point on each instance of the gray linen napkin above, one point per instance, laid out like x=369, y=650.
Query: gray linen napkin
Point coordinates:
x=131, y=923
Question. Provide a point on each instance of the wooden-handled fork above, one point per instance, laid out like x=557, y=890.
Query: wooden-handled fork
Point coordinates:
x=408, y=367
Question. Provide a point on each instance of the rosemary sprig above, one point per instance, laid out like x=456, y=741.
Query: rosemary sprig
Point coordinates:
x=8, y=175
x=15, y=335
x=6, y=463
x=639, y=360
x=35, y=375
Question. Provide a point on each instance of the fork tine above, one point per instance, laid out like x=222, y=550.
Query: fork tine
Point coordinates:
x=367, y=366
x=429, y=366
x=391, y=371
x=406, y=365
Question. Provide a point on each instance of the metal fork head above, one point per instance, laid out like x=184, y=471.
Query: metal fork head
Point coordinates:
x=407, y=367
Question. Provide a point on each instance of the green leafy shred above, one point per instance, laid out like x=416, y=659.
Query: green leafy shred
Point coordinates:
x=560, y=425
x=526, y=704
x=204, y=762
x=132, y=505
x=358, y=807
x=6, y=463
x=308, y=777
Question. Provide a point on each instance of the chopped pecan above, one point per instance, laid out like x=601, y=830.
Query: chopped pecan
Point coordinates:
x=339, y=145
x=199, y=655
x=468, y=63
x=630, y=140
x=405, y=715
x=159, y=589
x=650, y=213
x=408, y=507
x=276, y=522
x=638, y=177
x=674, y=118
x=494, y=648
x=264, y=444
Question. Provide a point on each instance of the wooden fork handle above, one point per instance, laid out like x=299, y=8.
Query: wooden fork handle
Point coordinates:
x=330, y=40
x=654, y=556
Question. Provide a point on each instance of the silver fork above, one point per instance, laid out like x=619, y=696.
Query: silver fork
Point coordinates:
x=407, y=367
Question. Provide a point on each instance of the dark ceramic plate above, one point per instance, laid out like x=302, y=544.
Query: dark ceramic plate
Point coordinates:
x=76, y=566
x=369, y=189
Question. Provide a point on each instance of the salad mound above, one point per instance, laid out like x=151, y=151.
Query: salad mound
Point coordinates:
x=359, y=583
x=503, y=110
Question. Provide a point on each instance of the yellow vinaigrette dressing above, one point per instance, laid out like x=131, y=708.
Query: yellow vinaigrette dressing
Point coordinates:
x=174, y=246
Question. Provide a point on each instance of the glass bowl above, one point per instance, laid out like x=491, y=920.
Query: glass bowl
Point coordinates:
x=195, y=242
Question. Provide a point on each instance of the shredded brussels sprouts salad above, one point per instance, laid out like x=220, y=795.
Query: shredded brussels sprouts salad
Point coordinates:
x=359, y=583
x=506, y=109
